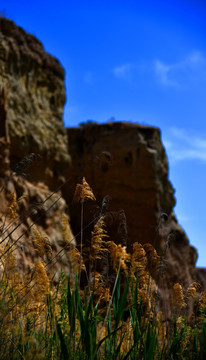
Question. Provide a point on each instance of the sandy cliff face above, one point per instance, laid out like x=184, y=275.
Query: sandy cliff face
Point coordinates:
x=124, y=162
x=36, y=96
x=32, y=96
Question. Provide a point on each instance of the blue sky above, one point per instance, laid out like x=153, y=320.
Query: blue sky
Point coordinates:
x=143, y=61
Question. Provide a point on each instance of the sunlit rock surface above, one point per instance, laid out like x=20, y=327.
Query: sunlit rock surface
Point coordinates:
x=36, y=95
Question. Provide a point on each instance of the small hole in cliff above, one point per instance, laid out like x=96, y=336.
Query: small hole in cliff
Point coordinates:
x=52, y=100
x=104, y=167
x=128, y=159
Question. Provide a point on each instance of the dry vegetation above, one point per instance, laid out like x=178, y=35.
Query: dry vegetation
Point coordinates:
x=86, y=316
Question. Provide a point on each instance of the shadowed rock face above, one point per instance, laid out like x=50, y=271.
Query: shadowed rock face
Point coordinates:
x=128, y=162
x=36, y=96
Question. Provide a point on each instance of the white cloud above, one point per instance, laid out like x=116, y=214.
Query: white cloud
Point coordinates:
x=188, y=137
x=182, y=74
x=184, y=218
x=184, y=145
x=190, y=69
x=123, y=71
x=196, y=57
x=187, y=154
x=162, y=72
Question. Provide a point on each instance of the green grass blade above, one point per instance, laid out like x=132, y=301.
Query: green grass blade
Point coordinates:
x=121, y=305
x=150, y=343
x=116, y=296
x=71, y=306
x=117, y=350
x=64, y=350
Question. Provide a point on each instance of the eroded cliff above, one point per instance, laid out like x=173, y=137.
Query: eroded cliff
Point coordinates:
x=122, y=161
x=128, y=162
x=36, y=95
x=33, y=144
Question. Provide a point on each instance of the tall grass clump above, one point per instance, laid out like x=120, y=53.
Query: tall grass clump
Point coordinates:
x=92, y=315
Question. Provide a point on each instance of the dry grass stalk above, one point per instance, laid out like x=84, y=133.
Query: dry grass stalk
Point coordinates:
x=118, y=256
x=66, y=230
x=152, y=257
x=202, y=306
x=138, y=260
x=34, y=291
x=178, y=295
x=41, y=244
x=101, y=292
x=83, y=192
x=12, y=207
x=138, y=270
x=41, y=279
x=75, y=257
x=192, y=290
x=97, y=245
x=8, y=263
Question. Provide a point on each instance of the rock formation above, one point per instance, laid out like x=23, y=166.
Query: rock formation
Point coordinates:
x=122, y=161
x=128, y=162
x=36, y=96
x=32, y=97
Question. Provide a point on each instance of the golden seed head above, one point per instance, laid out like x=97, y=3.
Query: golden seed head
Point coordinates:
x=178, y=295
x=97, y=245
x=192, y=290
x=138, y=258
x=152, y=257
x=83, y=192
x=41, y=279
x=118, y=256
x=202, y=302
x=41, y=243
x=12, y=206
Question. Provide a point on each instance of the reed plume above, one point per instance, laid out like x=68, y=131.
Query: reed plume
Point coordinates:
x=97, y=244
x=66, y=229
x=138, y=259
x=75, y=256
x=153, y=260
x=202, y=305
x=8, y=263
x=138, y=267
x=178, y=295
x=65, y=321
x=101, y=292
x=83, y=192
x=161, y=330
x=192, y=290
x=41, y=279
x=41, y=243
x=118, y=256
x=12, y=206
